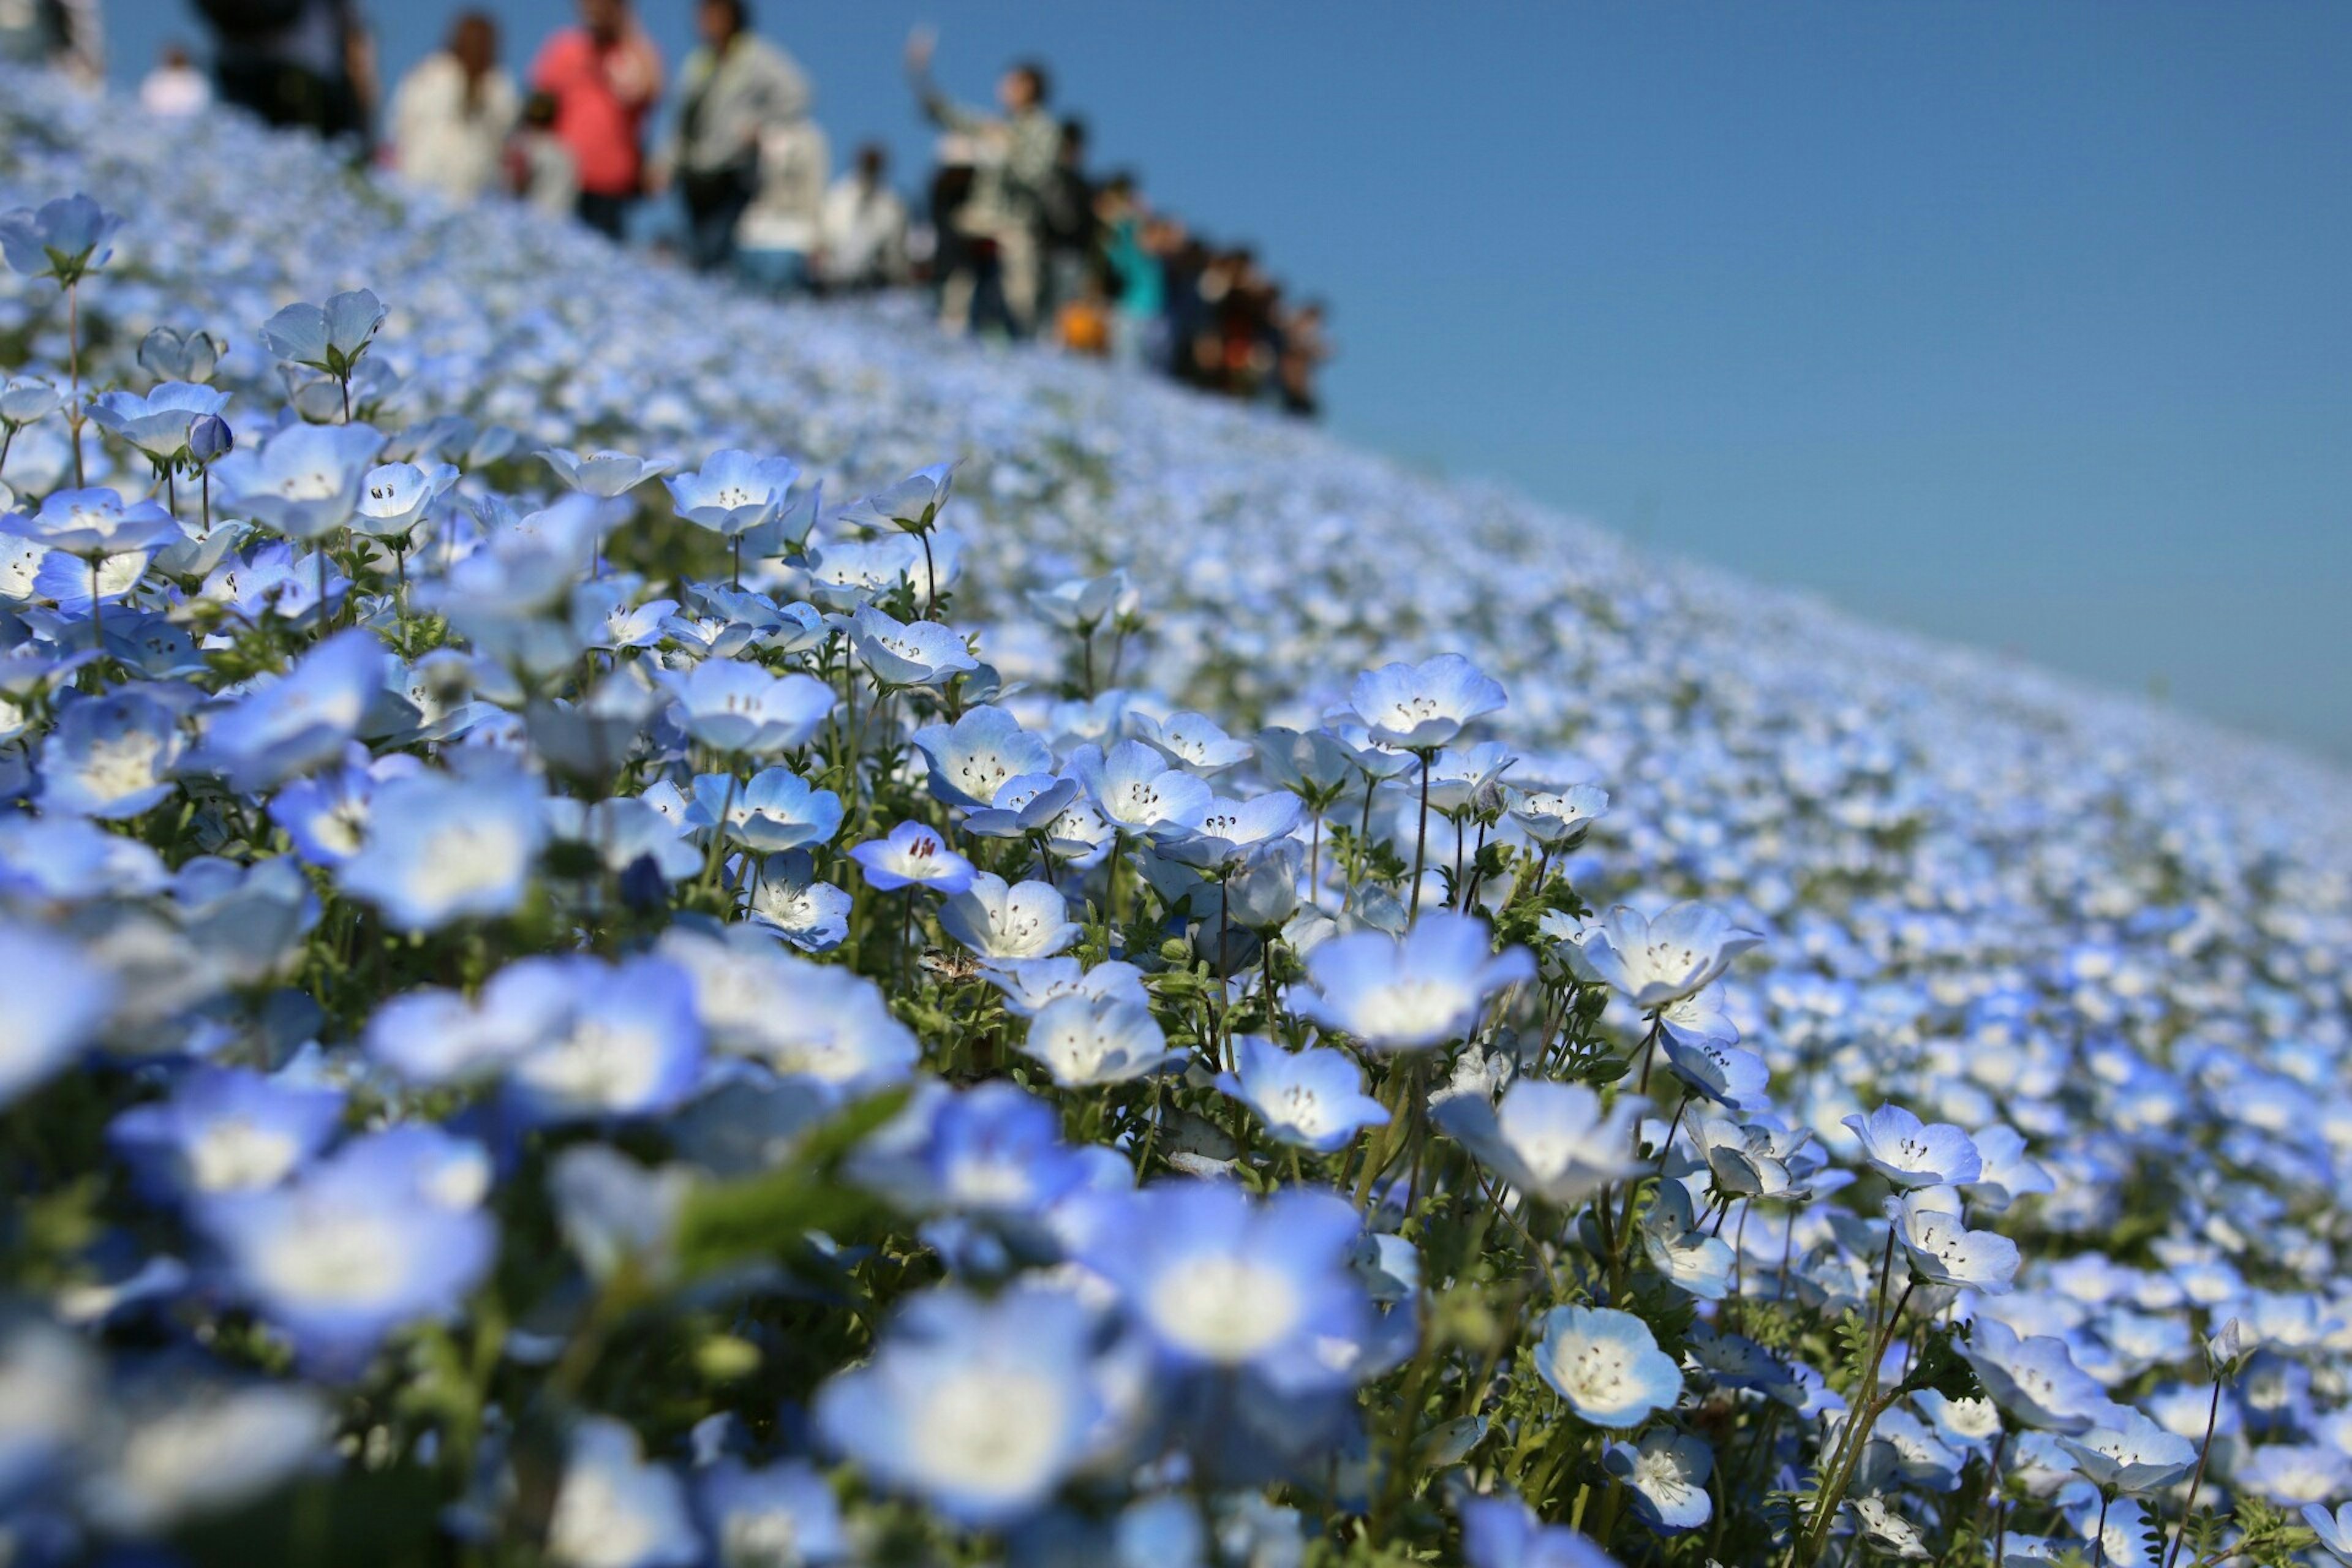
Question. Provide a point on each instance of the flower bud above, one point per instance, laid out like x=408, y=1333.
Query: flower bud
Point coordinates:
x=209, y=438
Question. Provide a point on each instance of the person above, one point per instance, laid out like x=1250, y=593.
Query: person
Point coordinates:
x=298, y=64
x=175, y=87
x=539, y=166
x=862, y=230
x=732, y=91
x=1013, y=160
x=1066, y=222
x=604, y=75
x=1305, y=348
x=1132, y=245
x=778, y=232
x=451, y=116
x=68, y=34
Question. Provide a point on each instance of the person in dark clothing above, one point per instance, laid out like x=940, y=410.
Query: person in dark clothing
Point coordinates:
x=298, y=64
x=1067, y=227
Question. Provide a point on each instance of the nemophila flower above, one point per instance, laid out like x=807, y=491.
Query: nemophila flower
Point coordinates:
x=912, y=855
x=1086, y=1043
x=73, y=585
x=65, y=238
x=67, y=860
x=1030, y=983
x=733, y=492
x=923, y=654
x=982, y=1408
x=602, y=1040
x=991, y=1152
x=1556, y=818
x=775, y=809
x=816, y=1022
x=42, y=1025
x=974, y=759
x=1221, y=1280
x=1677, y=1248
x=92, y=524
x=1654, y=962
x=1606, y=1365
x=394, y=496
x=1665, y=1474
x=158, y=422
x=1023, y=804
x=1503, y=1532
x=1229, y=829
x=2033, y=1379
x=1189, y=740
x=111, y=756
x=615, y=1509
x=2334, y=1530
x=1942, y=1250
x=604, y=474
x=775, y=1516
x=1408, y=993
x=1921, y=1456
x=1084, y=604
x=2007, y=1173
x=913, y=503
x=788, y=900
x=327, y=816
x=1311, y=763
x=1913, y=1153
x=1750, y=1159
x=1138, y=793
x=306, y=481
x=1313, y=1099
x=444, y=847
x=338, y=1258
x=1883, y=1531
x=741, y=709
x=225, y=1129
x=168, y=354
x=1000, y=921
x=329, y=338
x=1722, y=1073
x=299, y=722
x=2291, y=1475
x=1549, y=1140
x=1420, y=706
x=177, y=1443
x=616, y=1215
x=846, y=573
x=2134, y=1455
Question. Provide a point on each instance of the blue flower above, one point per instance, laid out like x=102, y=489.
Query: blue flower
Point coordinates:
x=306, y=481
x=774, y=810
x=1408, y=993
x=339, y=1258
x=1189, y=740
x=1607, y=1366
x=922, y=654
x=1913, y=1153
x=1555, y=818
x=788, y=900
x=158, y=422
x=225, y=1129
x=2033, y=1379
x=912, y=504
x=816, y=1021
x=1022, y=804
x=1717, y=1071
x=394, y=496
x=990, y=1151
x=733, y=492
x=93, y=524
x=109, y=757
x=2130, y=1455
x=63, y=239
x=2334, y=1530
x=1503, y=1532
x=329, y=338
x=912, y=855
x=982, y=1408
x=42, y=1025
x=973, y=760
x=603, y=1040
x=1420, y=706
x=1667, y=1474
x=301, y=720
x=1942, y=1250
x=1656, y=961
x=443, y=847
x=613, y=1509
x=1030, y=983
x=1549, y=1140
x=1312, y=1099
x=742, y=710
x=1002, y=922
x=1086, y=1044
x=1229, y=829
x=1138, y=793
x=1222, y=1281
x=603, y=474
x=781, y=1516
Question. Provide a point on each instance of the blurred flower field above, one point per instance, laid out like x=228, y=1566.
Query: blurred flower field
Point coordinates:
x=642, y=928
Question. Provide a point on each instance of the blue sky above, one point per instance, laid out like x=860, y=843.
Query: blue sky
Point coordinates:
x=2023, y=323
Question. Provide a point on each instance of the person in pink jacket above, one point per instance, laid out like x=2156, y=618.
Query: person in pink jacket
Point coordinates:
x=604, y=76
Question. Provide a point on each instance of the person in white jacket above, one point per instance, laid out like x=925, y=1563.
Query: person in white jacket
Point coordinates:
x=862, y=235
x=452, y=114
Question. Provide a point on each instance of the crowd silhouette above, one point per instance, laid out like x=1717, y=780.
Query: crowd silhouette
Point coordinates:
x=1014, y=232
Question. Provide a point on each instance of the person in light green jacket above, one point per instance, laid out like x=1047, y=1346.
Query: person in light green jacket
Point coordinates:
x=733, y=90
x=1015, y=162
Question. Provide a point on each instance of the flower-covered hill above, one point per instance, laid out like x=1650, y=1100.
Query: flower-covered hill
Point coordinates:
x=467, y=869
